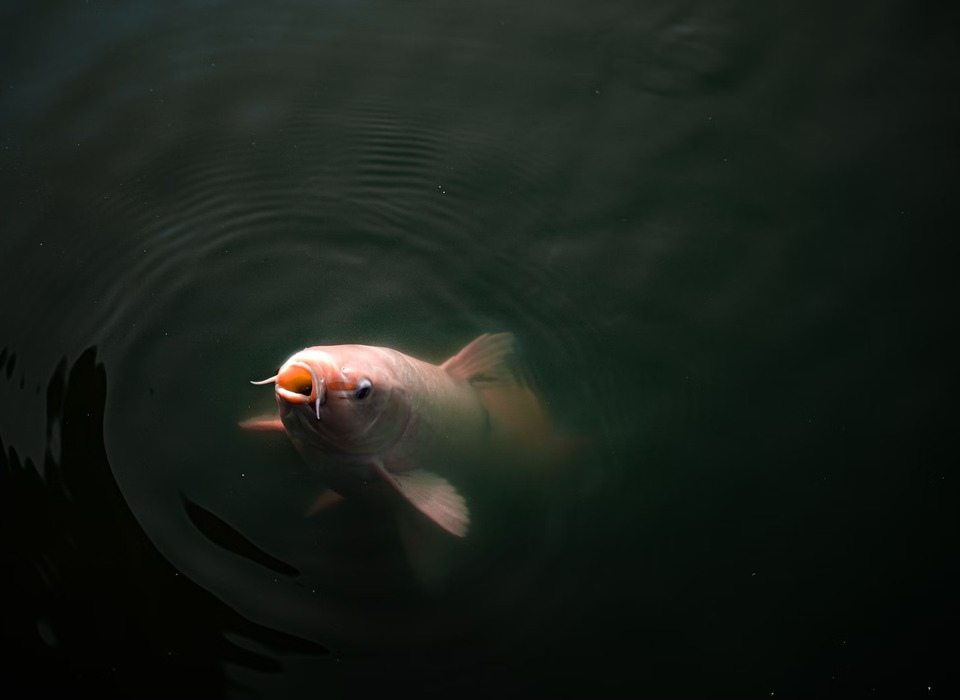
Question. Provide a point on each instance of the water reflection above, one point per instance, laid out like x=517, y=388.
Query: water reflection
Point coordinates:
x=221, y=532
x=91, y=605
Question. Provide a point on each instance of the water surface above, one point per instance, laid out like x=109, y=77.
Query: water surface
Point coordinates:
x=720, y=234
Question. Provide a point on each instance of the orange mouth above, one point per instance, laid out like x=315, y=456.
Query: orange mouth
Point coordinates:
x=297, y=384
x=296, y=380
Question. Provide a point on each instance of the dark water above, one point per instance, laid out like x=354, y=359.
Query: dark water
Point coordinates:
x=723, y=235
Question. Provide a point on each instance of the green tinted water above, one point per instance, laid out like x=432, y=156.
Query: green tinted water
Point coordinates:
x=720, y=234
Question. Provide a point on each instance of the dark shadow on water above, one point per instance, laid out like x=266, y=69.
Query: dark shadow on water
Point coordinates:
x=91, y=607
x=222, y=533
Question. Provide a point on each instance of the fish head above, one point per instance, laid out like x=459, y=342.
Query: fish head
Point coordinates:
x=341, y=400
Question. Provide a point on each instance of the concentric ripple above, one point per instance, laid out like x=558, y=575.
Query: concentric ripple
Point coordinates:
x=240, y=190
x=262, y=195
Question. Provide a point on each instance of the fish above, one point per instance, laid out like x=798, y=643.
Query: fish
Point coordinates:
x=378, y=423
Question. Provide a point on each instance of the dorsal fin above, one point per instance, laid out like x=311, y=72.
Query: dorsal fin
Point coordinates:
x=484, y=359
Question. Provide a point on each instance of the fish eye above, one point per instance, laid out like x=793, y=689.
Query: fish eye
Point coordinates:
x=363, y=389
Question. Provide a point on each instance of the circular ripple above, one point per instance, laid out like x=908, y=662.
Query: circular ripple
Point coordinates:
x=257, y=200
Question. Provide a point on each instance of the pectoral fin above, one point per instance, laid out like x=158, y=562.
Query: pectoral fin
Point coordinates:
x=327, y=498
x=268, y=423
x=433, y=496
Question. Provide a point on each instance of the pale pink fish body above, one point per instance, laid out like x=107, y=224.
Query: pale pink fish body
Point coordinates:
x=371, y=416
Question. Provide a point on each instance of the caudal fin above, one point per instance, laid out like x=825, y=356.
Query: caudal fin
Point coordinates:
x=519, y=421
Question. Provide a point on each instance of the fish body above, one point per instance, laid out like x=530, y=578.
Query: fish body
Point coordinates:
x=373, y=420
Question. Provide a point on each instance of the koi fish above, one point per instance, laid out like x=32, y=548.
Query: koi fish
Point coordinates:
x=374, y=420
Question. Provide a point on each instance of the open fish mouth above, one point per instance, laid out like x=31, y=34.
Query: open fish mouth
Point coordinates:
x=297, y=383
